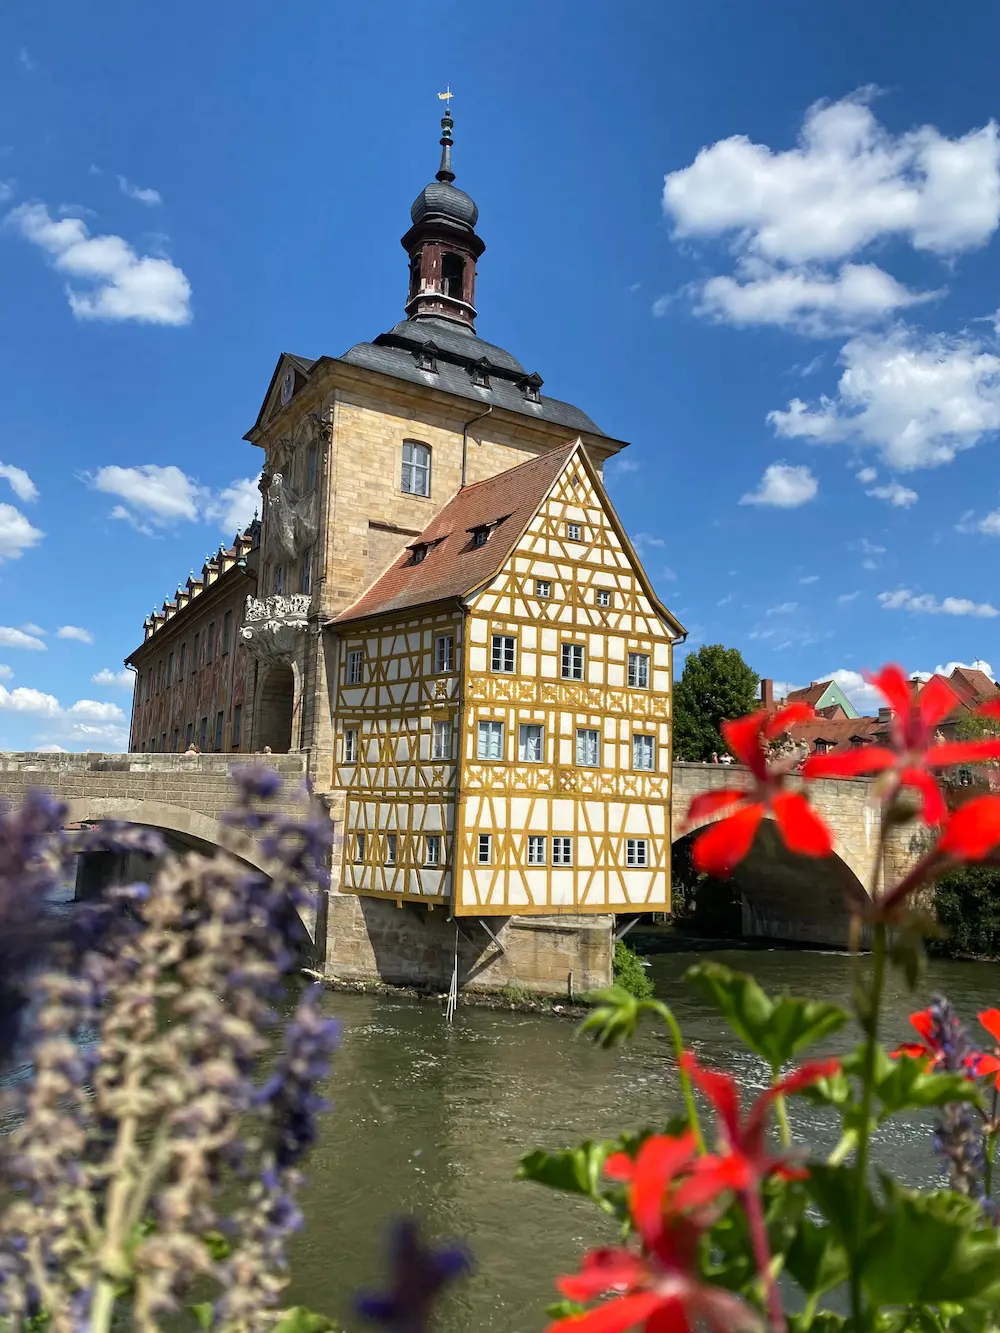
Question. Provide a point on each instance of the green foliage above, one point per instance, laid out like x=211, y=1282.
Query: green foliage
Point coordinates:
x=514, y=993
x=629, y=973
x=967, y=904
x=615, y=1015
x=778, y=1030
x=715, y=685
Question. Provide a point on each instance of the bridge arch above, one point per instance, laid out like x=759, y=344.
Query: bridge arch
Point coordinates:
x=189, y=825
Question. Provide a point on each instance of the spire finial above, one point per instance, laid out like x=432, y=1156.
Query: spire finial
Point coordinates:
x=445, y=172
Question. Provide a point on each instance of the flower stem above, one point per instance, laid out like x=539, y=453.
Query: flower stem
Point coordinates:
x=869, y=1023
x=690, y=1106
x=762, y=1258
x=784, y=1128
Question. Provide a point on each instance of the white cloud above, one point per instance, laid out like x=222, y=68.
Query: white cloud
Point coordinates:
x=978, y=665
x=51, y=749
x=234, y=506
x=864, y=697
x=846, y=597
x=806, y=299
x=143, y=196
x=5, y=672
x=782, y=609
x=18, y=638
x=124, y=285
x=17, y=535
x=810, y=578
x=621, y=465
x=89, y=710
x=867, y=475
x=900, y=497
x=122, y=680
x=784, y=486
x=157, y=497
x=30, y=627
x=646, y=539
x=160, y=494
x=23, y=700
x=74, y=632
x=847, y=183
x=989, y=524
x=27, y=63
x=918, y=398
x=725, y=600
x=20, y=483
x=924, y=604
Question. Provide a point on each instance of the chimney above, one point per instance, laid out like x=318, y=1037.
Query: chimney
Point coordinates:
x=885, y=715
x=767, y=692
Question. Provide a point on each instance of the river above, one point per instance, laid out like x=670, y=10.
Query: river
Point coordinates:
x=431, y=1119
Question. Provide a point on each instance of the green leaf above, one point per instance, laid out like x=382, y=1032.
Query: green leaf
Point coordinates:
x=564, y=1309
x=575, y=1170
x=778, y=1030
x=217, y=1244
x=816, y=1259
x=932, y=1248
x=834, y=1191
x=823, y=1322
x=299, y=1319
x=203, y=1313
x=905, y=1084
x=614, y=1017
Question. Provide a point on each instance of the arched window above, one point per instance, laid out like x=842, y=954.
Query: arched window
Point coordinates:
x=416, y=468
x=453, y=276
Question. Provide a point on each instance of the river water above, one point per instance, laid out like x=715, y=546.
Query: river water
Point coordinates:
x=431, y=1119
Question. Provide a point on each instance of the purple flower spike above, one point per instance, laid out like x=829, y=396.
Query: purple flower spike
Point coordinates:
x=418, y=1273
x=257, y=780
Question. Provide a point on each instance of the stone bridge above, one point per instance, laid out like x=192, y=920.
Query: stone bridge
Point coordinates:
x=784, y=896
x=801, y=898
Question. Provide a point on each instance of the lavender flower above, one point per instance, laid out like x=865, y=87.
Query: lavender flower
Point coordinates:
x=958, y=1136
x=418, y=1273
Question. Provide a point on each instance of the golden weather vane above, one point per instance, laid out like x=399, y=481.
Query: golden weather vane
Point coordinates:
x=446, y=96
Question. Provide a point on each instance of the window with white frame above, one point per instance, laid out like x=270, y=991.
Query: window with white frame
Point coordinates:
x=441, y=739
x=638, y=671
x=562, y=851
x=588, y=747
x=573, y=532
x=636, y=852
x=359, y=846
x=643, y=753
x=390, y=849
x=536, y=850
x=350, y=745
x=416, y=468
x=432, y=849
x=355, y=658
x=572, y=661
x=530, y=743
x=543, y=588
x=503, y=656
x=603, y=596
x=489, y=743
x=484, y=849
x=444, y=653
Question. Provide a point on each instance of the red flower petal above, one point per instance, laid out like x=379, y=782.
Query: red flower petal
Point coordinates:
x=721, y=1091
x=743, y=736
x=923, y=1021
x=849, y=763
x=657, y=1163
x=932, y=803
x=601, y=1271
x=990, y=1019
x=778, y=723
x=619, y=1166
x=711, y=802
x=911, y=1048
x=801, y=827
x=962, y=752
x=719, y=848
x=712, y=1176
x=803, y=1077
x=891, y=682
x=990, y=709
x=934, y=702
x=981, y=1065
x=611, y=1317
x=671, y=1316
x=973, y=830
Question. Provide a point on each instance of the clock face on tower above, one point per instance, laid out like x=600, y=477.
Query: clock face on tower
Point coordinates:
x=287, y=386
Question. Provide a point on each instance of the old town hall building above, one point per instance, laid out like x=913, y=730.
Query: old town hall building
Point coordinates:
x=441, y=609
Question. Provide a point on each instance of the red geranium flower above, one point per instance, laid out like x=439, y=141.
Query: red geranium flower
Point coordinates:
x=972, y=831
x=976, y=1063
x=657, y=1288
x=990, y=1064
x=915, y=719
x=744, y=1137
x=722, y=845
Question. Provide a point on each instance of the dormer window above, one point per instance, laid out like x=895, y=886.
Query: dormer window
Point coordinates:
x=426, y=357
x=419, y=552
x=453, y=276
x=531, y=385
x=481, y=374
x=480, y=536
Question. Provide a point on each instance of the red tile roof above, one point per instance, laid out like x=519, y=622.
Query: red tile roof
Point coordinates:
x=839, y=733
x=452, y=566
x=811, y=694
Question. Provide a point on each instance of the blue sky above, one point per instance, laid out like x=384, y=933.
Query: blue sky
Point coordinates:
x=760, y=242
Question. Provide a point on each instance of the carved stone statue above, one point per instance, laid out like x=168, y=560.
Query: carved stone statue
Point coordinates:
x=273, y=626
x=292, y=522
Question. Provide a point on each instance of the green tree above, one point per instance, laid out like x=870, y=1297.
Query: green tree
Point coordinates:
x=715, y=684
x=967, y=906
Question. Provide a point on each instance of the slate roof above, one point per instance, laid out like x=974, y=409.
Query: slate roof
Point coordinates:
x=395, y=353
x=453, y=566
